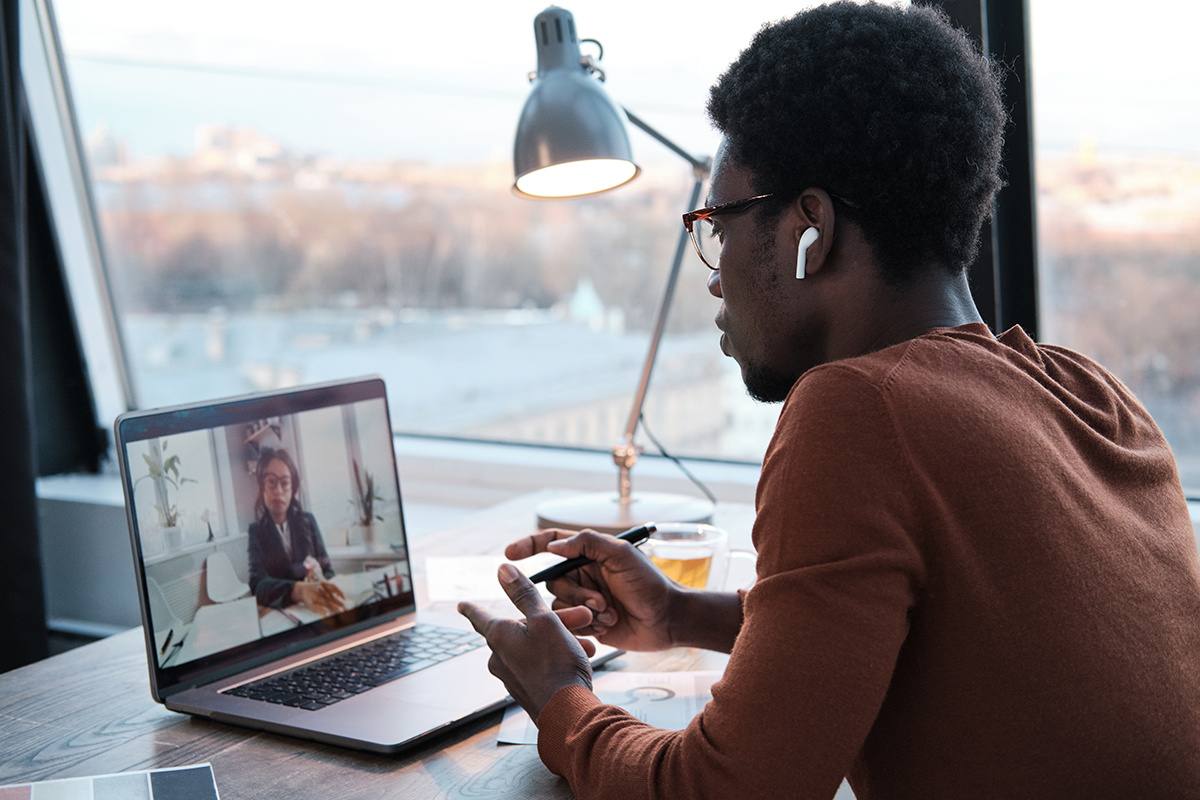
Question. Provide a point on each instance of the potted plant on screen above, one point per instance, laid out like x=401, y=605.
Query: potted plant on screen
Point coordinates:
x=365, y=500
x=163, y=473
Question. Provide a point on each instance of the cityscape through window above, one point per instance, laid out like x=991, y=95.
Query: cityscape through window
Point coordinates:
x=287, y=196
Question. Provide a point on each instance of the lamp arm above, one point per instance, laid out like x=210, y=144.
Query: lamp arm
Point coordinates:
x=699, y=165
x=625, y=452
x=660, y=325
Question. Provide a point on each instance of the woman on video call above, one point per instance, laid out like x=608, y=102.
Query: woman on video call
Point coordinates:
x=288, y=561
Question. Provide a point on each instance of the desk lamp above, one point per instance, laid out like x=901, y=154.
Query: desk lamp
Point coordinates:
x=571, y=141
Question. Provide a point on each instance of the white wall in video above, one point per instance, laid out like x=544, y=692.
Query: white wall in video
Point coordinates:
x=257, y=528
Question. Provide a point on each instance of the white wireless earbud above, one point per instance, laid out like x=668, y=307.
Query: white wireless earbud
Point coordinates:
x=806, y=239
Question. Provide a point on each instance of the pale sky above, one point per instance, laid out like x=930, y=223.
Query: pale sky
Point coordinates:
x=445, y=81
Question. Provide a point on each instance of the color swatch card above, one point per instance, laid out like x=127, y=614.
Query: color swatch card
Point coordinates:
x=179, y=783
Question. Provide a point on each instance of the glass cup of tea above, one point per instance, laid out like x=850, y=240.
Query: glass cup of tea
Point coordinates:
x=699, y=556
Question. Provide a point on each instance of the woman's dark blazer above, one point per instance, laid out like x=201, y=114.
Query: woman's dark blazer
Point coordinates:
x=272, y=573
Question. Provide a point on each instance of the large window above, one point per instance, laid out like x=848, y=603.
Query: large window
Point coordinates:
x=291, y=194
x=1117, y=115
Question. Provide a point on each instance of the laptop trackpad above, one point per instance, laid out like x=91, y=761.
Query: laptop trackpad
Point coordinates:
x=459, y=686
x=387, y=721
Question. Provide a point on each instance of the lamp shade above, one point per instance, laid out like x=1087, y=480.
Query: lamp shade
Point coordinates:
x=571, y=137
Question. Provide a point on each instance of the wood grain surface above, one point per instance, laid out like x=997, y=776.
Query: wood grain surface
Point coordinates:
x=89, y=712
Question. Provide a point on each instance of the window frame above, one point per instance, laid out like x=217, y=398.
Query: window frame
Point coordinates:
x=59, y=159
x=1003, y=278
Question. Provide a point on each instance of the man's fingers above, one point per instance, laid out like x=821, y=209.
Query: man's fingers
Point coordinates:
x=575, y=617
x=537, y=543
x=521, y=591
x=596, y=546
x=480, y=618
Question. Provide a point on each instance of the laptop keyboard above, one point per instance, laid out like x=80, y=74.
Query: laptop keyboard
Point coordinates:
x=323, y=683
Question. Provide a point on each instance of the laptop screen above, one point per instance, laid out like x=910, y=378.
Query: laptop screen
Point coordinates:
x=262, y=525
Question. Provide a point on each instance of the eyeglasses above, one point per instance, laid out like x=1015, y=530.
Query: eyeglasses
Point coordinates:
x=273, y=482
x=705, y=238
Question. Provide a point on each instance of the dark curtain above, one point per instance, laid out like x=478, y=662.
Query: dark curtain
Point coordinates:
x=22, y=605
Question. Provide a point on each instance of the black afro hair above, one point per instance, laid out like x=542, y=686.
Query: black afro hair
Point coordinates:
x=890, y=107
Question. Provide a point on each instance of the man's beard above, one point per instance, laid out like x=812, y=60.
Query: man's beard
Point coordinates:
x=765, y=384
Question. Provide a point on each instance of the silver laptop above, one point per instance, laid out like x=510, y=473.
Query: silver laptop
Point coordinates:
x=274, y=574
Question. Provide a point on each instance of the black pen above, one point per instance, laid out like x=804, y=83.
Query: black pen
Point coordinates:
x=635, y=536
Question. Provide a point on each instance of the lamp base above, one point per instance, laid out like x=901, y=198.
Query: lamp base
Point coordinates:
x=606, y=513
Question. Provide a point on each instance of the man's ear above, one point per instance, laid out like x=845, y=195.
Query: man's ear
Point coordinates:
x=813, y=230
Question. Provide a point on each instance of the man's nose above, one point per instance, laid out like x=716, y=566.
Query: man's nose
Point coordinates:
x=714, y=283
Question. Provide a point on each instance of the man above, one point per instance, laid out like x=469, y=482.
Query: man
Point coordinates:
x=976, y=571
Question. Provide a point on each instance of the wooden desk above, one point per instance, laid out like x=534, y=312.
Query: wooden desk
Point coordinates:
x=89, y=712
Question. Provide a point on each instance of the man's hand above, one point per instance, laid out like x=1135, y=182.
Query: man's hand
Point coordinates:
x=322, y=597
x=536, y=656
x=631, y=600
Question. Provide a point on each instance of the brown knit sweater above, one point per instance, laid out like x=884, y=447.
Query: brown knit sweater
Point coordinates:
x=977, y=579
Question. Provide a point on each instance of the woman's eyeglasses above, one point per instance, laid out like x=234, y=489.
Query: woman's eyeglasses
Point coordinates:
x=272, y=482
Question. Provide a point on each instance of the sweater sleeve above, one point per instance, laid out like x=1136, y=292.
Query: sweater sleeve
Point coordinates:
x=838, y=575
